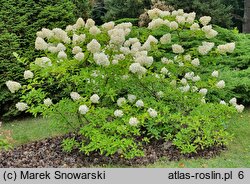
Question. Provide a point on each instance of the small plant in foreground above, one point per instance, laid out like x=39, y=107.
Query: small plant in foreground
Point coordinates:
x=121, y=89
x=5, y=139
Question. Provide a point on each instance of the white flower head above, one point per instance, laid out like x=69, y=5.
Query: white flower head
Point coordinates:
x=160, y=94
x=13, y=86
x=94, y=30
x=95, y=98
x=205, y=48
x=76, y=49
x=60, y=47
x=185, y=88
x=144, y=60
x=233, y=101
x=166, y=61
x=47, y=102
x=79, y=23
x=154, y=13
x=183, y=81
x=21, y=106
x=108, y=26
x=164, y=14
x=69, y=28
x=155, y=23
x=139, y=103
x=43, y=62
x=45, y=33
x=115, y=62
x=203, y=91
x=131, y=98
x=152, y=113
x=180, y=19
x=121, y=101
x=117, y=36
x=229, y=47
x=195, y=27
x=101, y=59
x=118, y=113
x=53, y=49
x=83, y=109
x=173, y=25
x=239, y=108
x=207, y=29
x=177, y=49
x=137, y=69
x=189, y=75
x=79, y=56
x=165, y=38
x=75, y=96
x=125, y=50
x=164, y=71
x=220, y=84
x=133, y=121
x=215, y=73
x=78, y=38
x=195, y=62
x=205, y=20
x=196, y=78
x=61, y=35
x=40, y=44
x=181, y=64
x=93, y=46
x=188, y=57
x=62, y=55
x=152, y=39
x=222, y=102
x=211, y=34
x=89, y=23
x=28, y=74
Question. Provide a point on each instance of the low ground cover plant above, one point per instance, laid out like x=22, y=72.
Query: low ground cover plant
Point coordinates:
x=5, y=139
x=121, y=87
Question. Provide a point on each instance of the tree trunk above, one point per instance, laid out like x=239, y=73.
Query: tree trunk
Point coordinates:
x=246, y=23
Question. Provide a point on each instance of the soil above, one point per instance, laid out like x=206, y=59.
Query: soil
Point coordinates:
x=48, y=153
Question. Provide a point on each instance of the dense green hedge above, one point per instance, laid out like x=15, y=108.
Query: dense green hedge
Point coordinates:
x=19, y=21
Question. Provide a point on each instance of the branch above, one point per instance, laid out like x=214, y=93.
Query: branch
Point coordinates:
x=238, y=17
x=147, y=89
x=65, y=118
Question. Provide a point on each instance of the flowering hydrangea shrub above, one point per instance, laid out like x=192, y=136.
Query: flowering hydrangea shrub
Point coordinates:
x=123, y=89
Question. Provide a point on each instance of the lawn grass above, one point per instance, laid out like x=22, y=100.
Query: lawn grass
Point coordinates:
x=28, y=130
x=237, y=155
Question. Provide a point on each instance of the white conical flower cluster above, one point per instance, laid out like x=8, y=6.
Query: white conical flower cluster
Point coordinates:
x=13, y=86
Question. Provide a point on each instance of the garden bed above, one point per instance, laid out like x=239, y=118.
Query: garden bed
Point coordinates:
x=48, y=153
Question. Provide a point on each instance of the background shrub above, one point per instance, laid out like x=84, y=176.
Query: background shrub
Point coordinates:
x=19, y=21
x=218, y=9
x=117, y=9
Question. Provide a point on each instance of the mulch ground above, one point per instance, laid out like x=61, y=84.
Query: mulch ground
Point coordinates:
x=48, y=153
